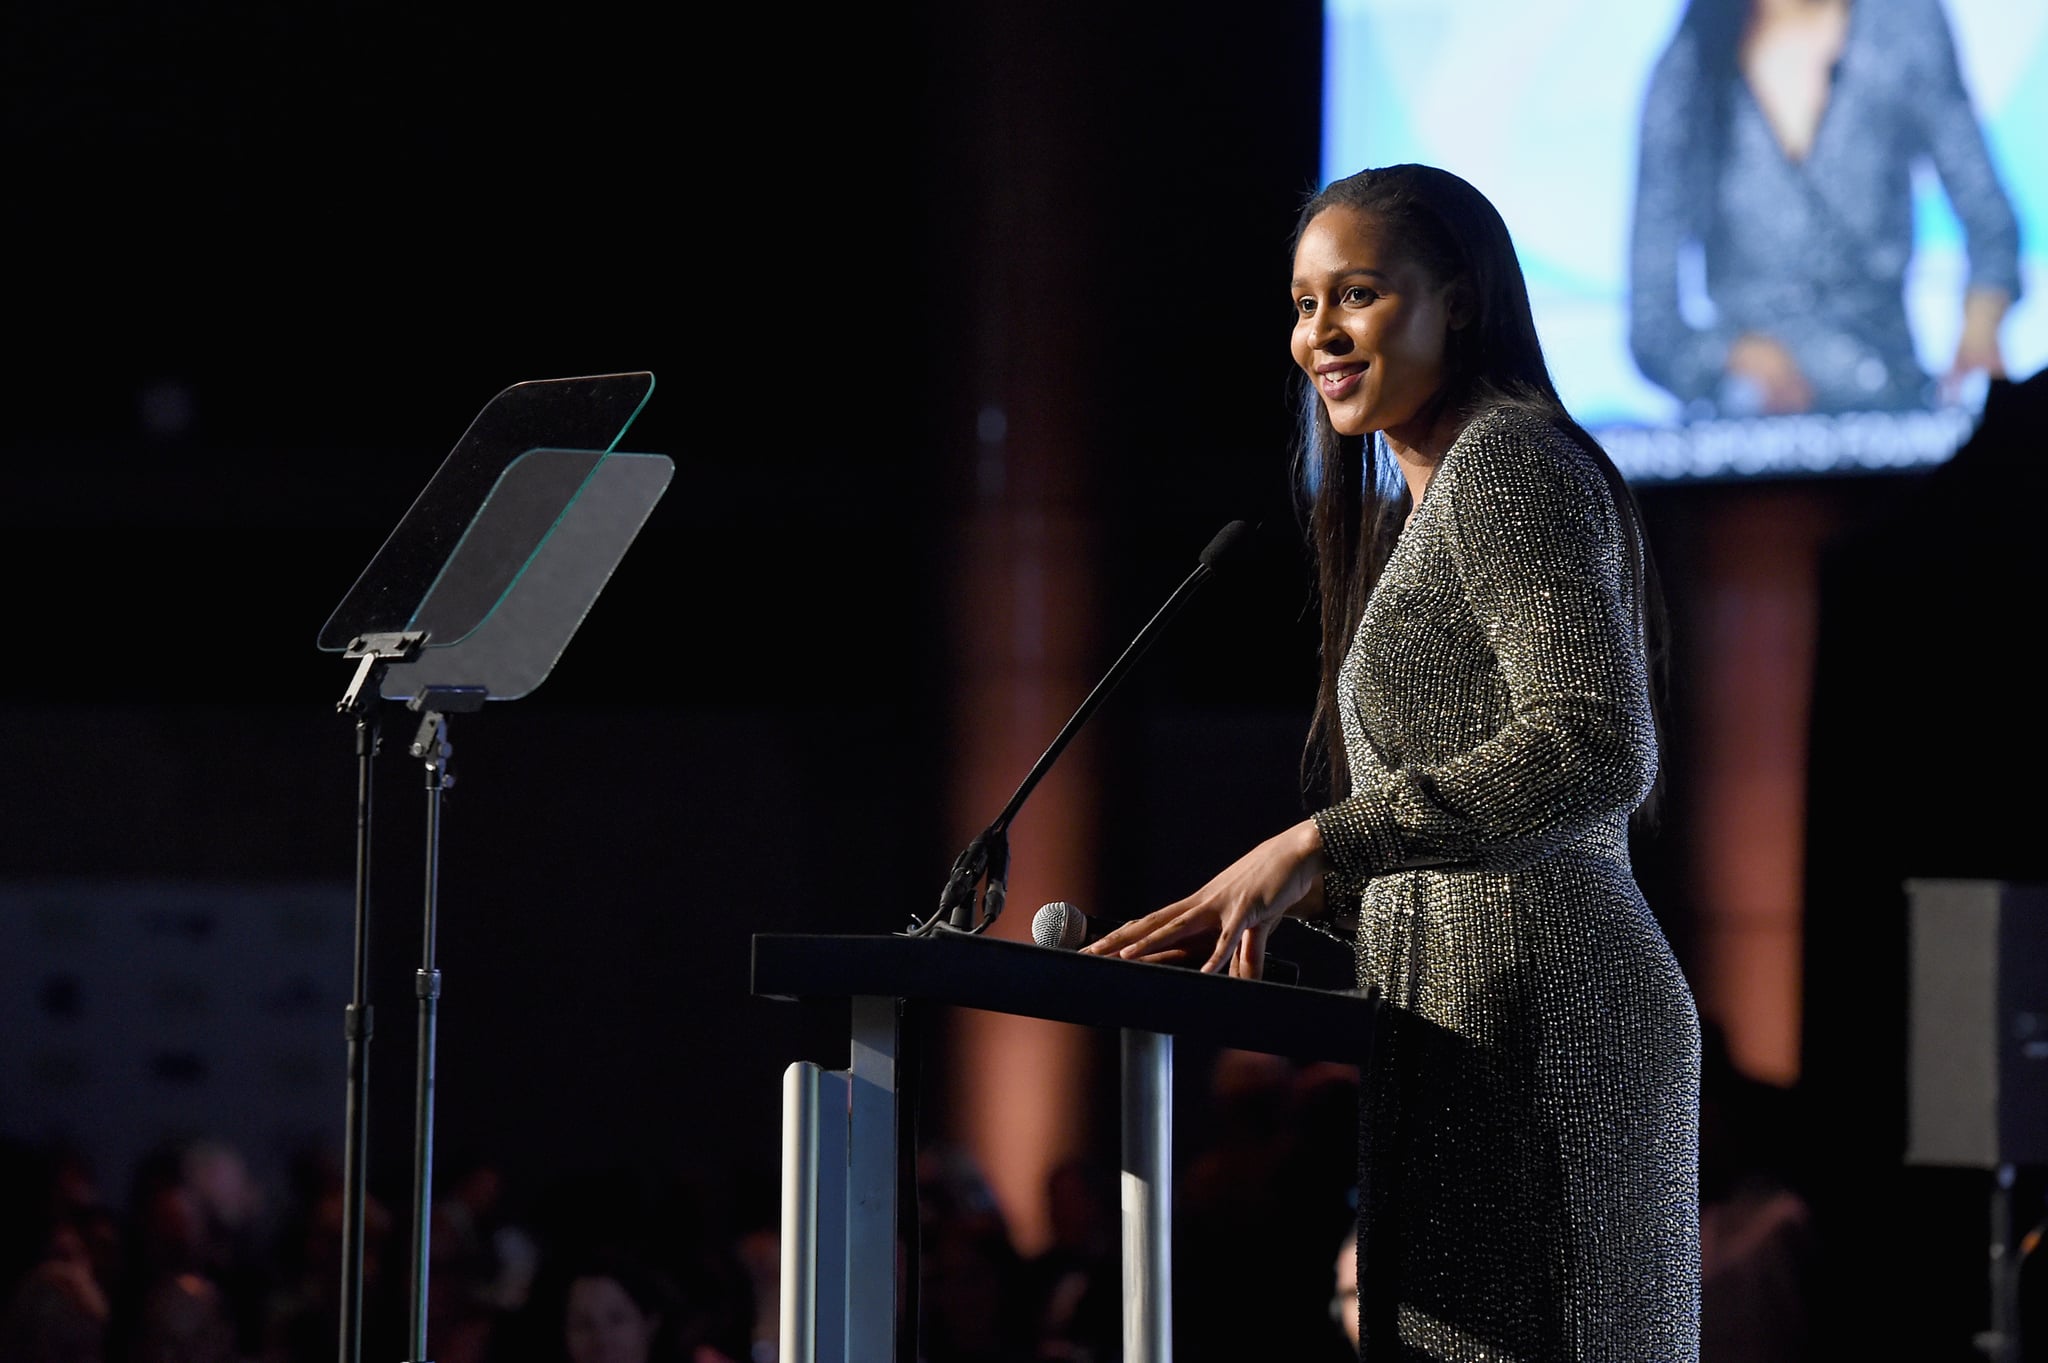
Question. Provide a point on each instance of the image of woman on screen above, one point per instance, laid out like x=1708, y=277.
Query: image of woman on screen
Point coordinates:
x=1774, y=208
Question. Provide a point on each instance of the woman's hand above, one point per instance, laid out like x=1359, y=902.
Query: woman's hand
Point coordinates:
x=1233, y=915
x=1763, y=363
x=1977, y=349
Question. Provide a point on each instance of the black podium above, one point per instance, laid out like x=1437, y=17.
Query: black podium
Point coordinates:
x=841, y=1130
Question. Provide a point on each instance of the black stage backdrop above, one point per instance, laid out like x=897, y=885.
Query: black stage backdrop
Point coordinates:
x=267, y=264
x=266, y=268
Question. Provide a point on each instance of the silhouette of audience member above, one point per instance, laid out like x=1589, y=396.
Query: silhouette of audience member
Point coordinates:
x=302, y=1319
x=2030, y=1285
x=1757, y=1246
x=58, y=1311
x=702, y=1259
x=1076, y=1281
x=166, y=1243
x=618, y=1308
x=184, y=1318
x=483, y=1261
x=1344, y=1294
x=59, y=1255
x=759, y=1250
x=196, y=1248
x=676, y=1234
x=236, y=1233
x=1263, y=1199
x=607, y=1321
x=974, y=1301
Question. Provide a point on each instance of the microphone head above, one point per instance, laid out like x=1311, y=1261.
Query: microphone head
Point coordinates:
x=1059, y=925
x=1229, y=540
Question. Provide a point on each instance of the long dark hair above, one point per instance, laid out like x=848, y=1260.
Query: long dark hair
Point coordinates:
x=1355, y=496
x=1713, y=29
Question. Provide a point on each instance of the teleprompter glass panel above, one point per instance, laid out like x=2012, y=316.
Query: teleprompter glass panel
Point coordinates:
x=532, y=494
x=523, y=632
x=590, y=414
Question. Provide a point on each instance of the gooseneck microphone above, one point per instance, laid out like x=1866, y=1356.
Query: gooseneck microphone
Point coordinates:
x=986, y=860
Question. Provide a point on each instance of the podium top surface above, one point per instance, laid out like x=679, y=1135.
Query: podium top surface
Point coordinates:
x=1022, y=978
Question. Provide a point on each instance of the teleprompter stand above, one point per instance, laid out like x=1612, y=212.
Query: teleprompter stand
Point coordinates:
x=472, y=599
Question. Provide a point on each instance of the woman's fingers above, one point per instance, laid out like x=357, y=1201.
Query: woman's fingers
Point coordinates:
x=1154, y=931
x=1175, y=930
x=1226, y=945
x=1235, y=904
x=1119, y=937
x=1172, y=956
x=1248, y=962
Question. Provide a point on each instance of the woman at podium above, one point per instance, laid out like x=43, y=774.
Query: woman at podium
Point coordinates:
x=1488, y=730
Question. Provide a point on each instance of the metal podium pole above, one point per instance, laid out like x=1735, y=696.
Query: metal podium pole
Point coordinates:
x=1148, y=1197
x=839, y=1199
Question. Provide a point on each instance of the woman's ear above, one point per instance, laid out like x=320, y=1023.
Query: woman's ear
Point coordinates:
x=1459, y=304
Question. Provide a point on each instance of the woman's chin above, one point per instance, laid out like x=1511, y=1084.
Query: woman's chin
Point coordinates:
x=1350, y=420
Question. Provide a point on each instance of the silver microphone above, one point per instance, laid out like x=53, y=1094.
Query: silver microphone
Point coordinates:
x=1059, y=925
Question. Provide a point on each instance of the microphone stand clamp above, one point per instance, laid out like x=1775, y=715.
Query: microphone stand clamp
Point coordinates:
x=984, y=862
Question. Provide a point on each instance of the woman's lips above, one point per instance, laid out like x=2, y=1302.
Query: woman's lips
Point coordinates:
x=1338, y=380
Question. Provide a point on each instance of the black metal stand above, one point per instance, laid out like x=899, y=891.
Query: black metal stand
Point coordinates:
x=359, y=1025
x=376, y=651
x=496, y=563
x=433, y=747
x=2001, y=1343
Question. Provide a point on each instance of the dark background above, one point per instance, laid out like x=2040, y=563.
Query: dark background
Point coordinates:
x=272, y=266
x=266, y=266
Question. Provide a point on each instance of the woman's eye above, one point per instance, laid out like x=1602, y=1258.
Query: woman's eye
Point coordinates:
x=1305, y=306
x=1358, y=293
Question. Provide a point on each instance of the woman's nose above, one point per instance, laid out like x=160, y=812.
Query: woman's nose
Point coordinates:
x=1324, y=334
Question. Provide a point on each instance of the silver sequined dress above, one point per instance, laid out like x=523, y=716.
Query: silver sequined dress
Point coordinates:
x=1529, y=1133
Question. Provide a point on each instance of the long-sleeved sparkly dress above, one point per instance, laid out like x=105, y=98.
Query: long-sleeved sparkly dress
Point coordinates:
x=1529, y=1123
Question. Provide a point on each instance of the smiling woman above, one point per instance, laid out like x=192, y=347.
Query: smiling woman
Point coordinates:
x=1487, y=729
x=1370, y=327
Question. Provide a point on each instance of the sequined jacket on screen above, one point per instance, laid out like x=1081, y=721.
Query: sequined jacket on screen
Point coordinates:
x=1529, y=1114
x=1812, y=252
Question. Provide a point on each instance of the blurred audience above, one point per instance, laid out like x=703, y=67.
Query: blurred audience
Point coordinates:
x=199, y=1265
